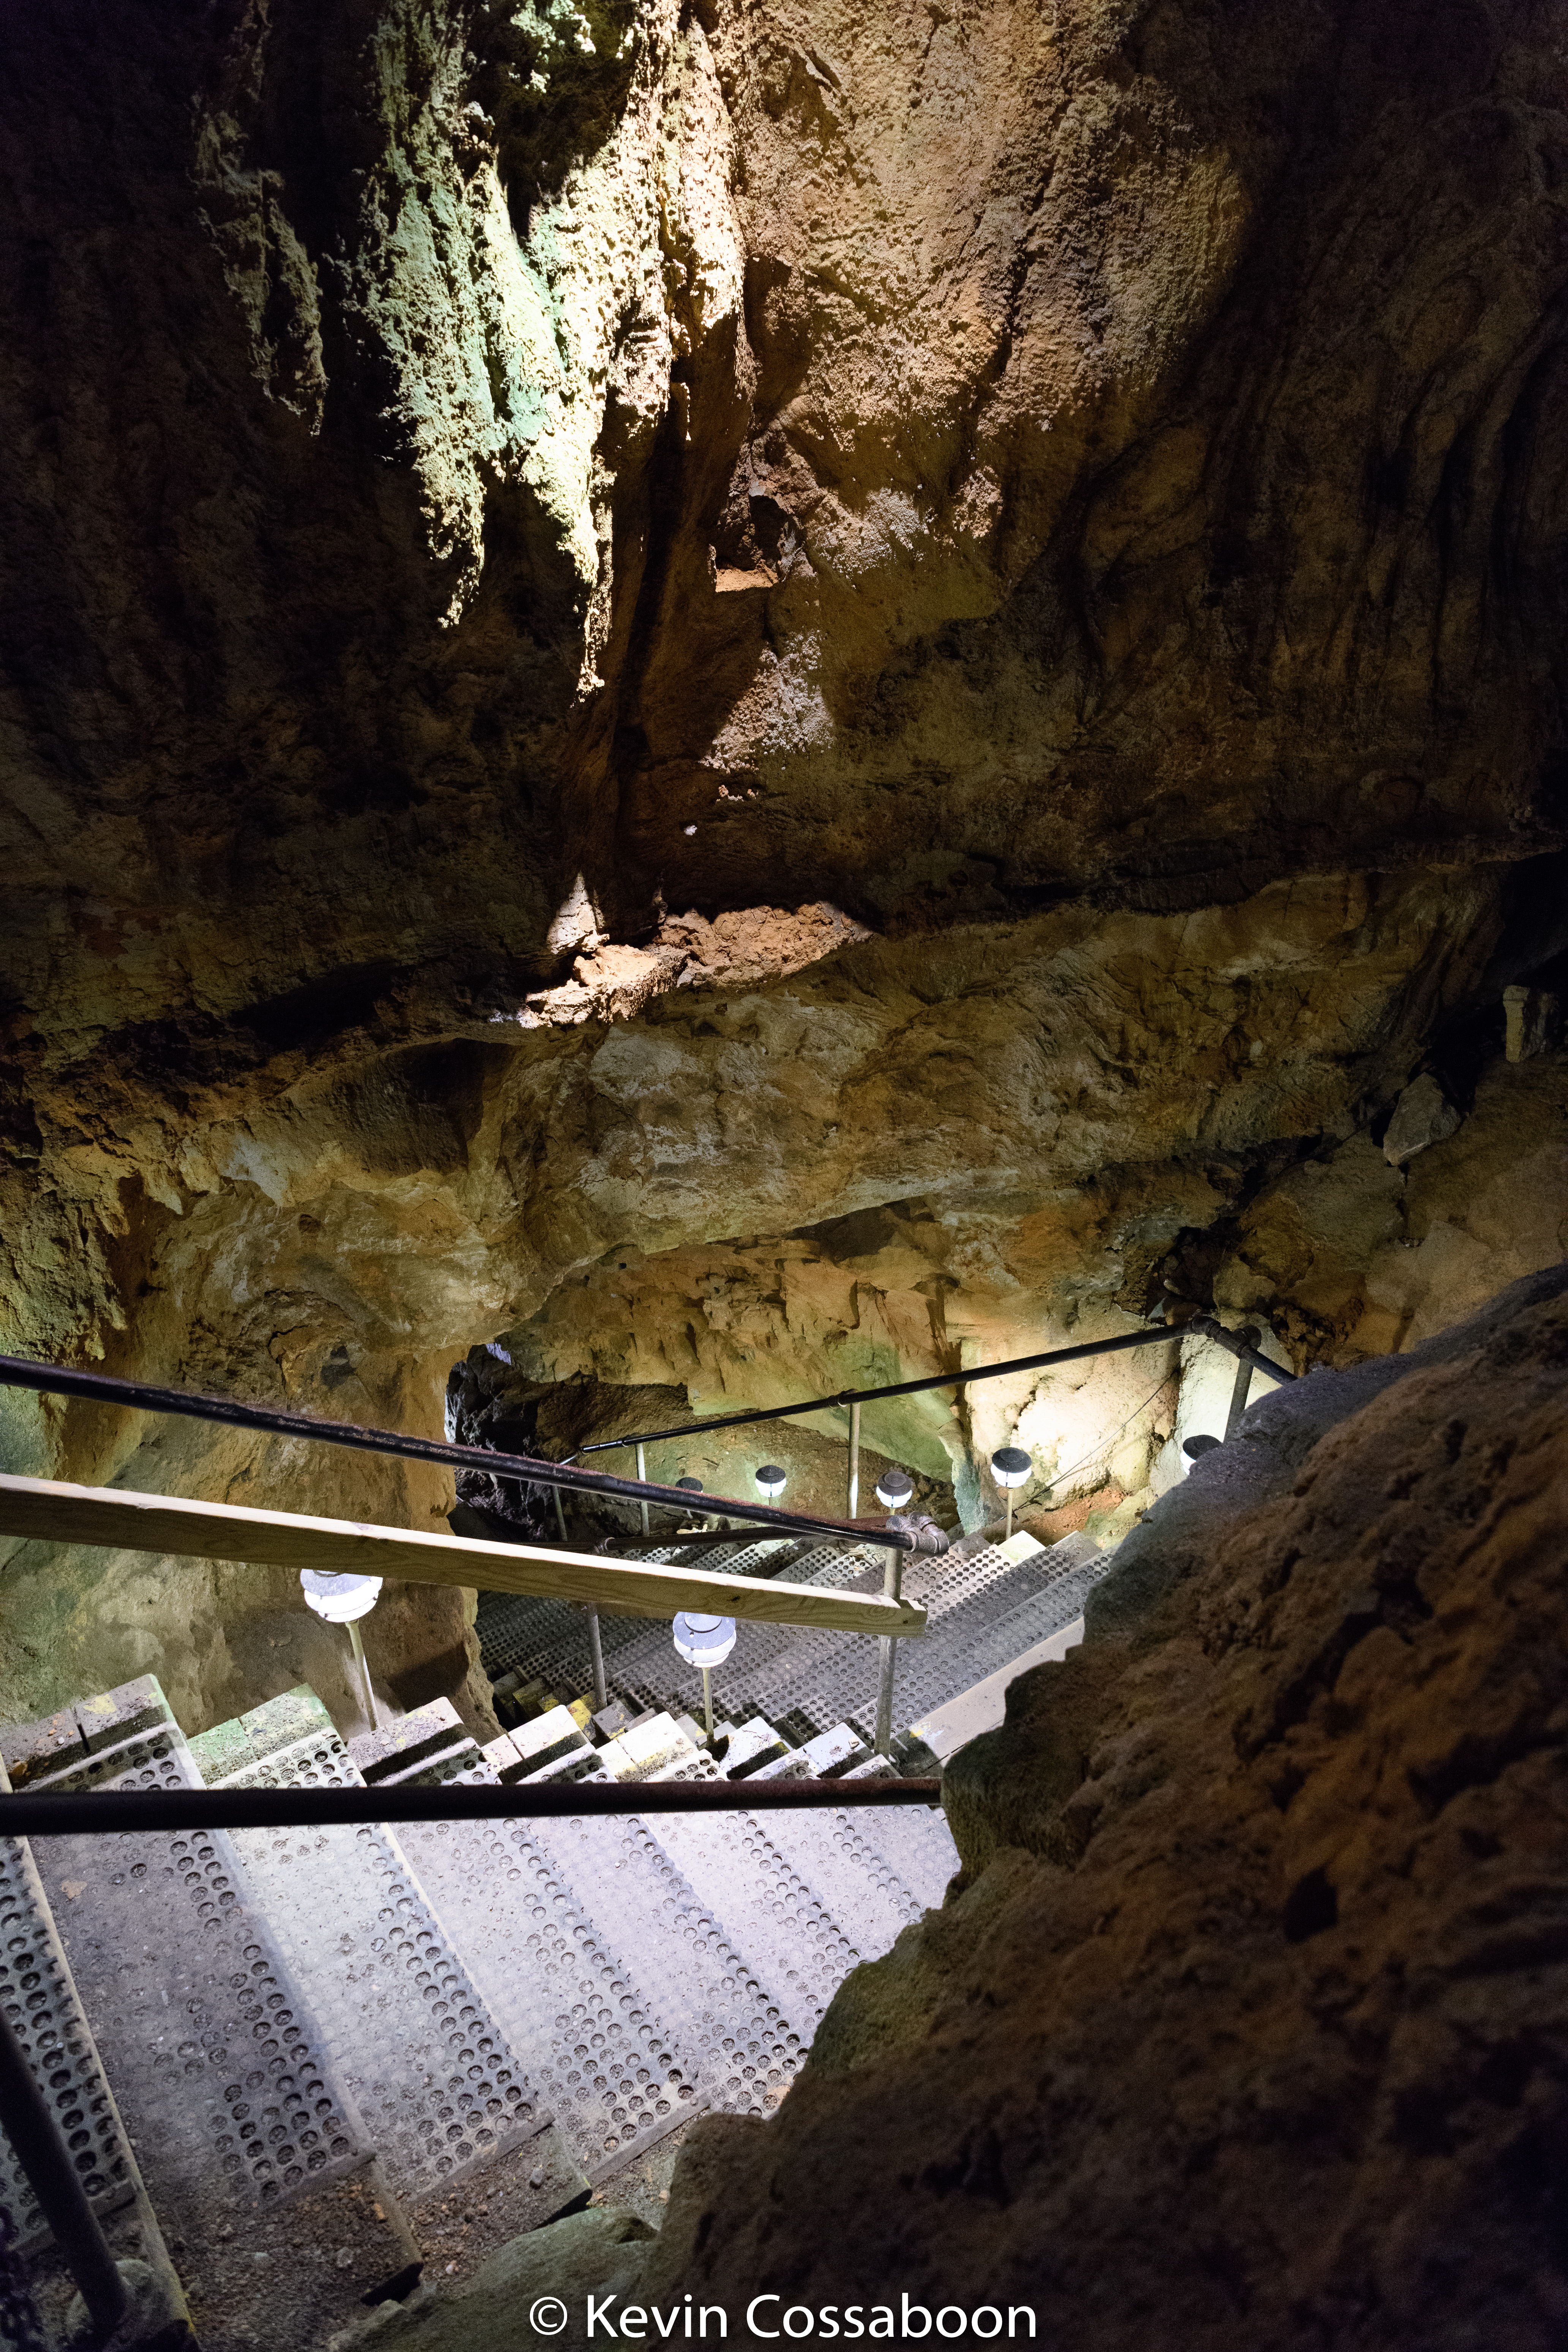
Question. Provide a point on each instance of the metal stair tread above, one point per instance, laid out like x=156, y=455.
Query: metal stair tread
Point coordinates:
x=46, y=2011
x=436, y=2081
x=778, y=1669
x=228, y=2094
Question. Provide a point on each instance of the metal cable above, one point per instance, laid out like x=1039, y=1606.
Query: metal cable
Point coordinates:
x=896, y=1388
x=103, y=1388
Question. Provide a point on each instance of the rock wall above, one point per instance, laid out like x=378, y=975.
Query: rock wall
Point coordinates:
x=1243, y=2022
x=637, y=634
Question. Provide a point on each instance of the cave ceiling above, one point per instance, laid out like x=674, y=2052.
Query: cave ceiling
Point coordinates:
x=668, y=631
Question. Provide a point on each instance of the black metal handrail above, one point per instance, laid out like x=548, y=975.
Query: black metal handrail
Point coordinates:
x=112, y=1812
x=141, y=1396
x=1203, y=1324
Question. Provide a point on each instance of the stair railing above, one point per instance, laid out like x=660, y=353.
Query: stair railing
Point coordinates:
x=1239, y=1344
x=105, y=1388
x=119, y=1811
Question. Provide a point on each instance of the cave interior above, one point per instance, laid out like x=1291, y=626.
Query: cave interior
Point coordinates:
x=716, y=702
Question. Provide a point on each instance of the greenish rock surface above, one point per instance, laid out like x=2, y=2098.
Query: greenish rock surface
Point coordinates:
x=554, y=2269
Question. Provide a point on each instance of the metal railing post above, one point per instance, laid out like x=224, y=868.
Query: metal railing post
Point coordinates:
x=40, y=2150
x=642, y=1474
x=1239, y=1398
x=892, y=1578
x=596, y=1650
x=356, y=1643
x=1248, y=1338
x=853, y=1510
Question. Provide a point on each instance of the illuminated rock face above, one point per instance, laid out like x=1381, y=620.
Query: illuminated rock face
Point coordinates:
x=650, y=637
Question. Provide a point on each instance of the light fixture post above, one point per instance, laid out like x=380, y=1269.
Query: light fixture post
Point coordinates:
x=642, y=1474
x=342, y=1598
x=895, y=1492
x=356, y=1642
x=883, y=1740
x=704, y=1642
x=853, y=1461
x=596, y=1651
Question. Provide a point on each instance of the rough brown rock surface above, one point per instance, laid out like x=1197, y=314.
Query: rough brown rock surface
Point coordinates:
x=1246, y=2026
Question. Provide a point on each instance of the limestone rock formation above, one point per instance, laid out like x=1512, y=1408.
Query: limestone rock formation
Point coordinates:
x=1244, y=2024
x=640, y=632
x=593, y=2252
x=1423, y=1116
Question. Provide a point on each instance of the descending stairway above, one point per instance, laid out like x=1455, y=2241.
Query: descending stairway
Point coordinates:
x=295, y=2066
x=983, y=1607
x=330, y=2048
x=270, y=2196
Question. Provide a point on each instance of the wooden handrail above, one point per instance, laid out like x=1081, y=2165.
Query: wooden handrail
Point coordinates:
x=51, y=1511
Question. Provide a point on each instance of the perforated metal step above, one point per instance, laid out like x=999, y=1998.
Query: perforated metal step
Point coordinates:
x=41, y=2000
x=792, y=1938
x=976, y=1604
x=916, y=1842
x=467, y=1980
x=445, y=2099
x=837, y=1857
x=606, y=1971
x=267, y=2187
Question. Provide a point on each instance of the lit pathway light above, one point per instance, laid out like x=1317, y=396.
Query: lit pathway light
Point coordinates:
x=343, y=1601
x=896, y=1489
x=771, y=1481
x=705, y=1642
x=1011, y=1467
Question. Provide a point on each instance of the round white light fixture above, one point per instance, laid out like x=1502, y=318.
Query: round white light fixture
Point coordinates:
x=689, y=1485
x=704, y=1642
x=1011, y=1467
x=339, y=1599
x=771, y=1480
x=895, y=1489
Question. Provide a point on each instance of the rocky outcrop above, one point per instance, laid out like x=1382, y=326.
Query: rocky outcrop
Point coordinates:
x=1346, y=1256
x=583, y=2255
x=1244, y=2023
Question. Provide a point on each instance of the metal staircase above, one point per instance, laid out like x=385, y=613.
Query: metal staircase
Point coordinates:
x=985, y=1604
x=294, y=2066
